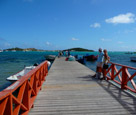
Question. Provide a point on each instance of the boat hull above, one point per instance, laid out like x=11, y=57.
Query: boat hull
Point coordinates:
x=50, y=57
x=91, y=58
x=18, y=75
x=133, y=59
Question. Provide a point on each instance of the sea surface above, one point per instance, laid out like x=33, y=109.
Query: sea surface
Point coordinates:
x=13, y=62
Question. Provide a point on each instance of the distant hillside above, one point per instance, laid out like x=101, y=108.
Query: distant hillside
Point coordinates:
x=31, y=49
x=34, y=49
x=20, y=49
x=79, y=49
x=16, y=48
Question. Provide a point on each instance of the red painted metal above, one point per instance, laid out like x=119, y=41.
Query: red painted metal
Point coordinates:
x=19, y=97
x=121, y=76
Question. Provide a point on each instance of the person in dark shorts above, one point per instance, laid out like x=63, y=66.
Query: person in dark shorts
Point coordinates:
x=105, y=61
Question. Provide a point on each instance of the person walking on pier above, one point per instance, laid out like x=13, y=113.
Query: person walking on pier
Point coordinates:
x=99, y=64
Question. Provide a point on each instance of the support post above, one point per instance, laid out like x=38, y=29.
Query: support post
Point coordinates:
x=112, y=72
x=124, y=78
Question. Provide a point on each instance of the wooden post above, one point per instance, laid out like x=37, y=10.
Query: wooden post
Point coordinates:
x=124, y=78
x=112, y=72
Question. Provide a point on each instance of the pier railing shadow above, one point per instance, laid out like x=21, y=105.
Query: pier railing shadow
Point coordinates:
x=126, y=99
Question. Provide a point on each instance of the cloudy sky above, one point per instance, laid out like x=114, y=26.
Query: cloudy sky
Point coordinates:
x=61, y=24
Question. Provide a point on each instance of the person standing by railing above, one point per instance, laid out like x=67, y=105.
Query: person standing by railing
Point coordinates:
x=105, y=61
x=99, y=64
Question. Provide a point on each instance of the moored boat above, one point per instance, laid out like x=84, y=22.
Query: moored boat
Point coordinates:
x=50, y=57
x=133, y=59
x=18, y=75
x=27, y=69
x=80, y=58
x=91, y=58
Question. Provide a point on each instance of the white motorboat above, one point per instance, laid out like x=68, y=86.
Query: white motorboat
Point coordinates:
x=133, y=58
x=18, y=75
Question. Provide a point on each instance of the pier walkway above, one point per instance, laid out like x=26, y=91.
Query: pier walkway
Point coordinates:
x=70, y=89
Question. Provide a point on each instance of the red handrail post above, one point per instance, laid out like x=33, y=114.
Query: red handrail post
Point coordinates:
x=26, y=99
x=9, y=106
x=112, y=72
x=124, y=78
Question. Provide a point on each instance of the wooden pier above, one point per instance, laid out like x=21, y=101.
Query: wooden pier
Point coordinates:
x=70, y=89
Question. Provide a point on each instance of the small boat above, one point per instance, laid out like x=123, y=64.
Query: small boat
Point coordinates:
x=133, y=59
x=18, y=75
x=91, y=58
x=27, y=69
x=50, y=57
x=80, y=58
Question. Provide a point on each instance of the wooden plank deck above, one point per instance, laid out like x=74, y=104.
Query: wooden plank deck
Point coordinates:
x=70, y=89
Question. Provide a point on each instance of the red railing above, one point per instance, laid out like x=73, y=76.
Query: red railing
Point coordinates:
x=19, y=97
x=122, y=76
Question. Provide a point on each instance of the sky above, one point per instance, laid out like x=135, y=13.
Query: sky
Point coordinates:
x=62, y=24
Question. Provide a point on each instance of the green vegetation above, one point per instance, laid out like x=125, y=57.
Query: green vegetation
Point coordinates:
x=16, y=48
x=34, y=49
x=20, y=49
x=79, y=49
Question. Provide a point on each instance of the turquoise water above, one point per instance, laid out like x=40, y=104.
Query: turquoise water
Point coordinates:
x=12, y=62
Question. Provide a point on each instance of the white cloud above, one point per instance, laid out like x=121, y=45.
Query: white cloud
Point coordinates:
x=75, y=39
x=6, y=44
x=125, y=47
x=48, y=43
x=51, y=46
x=122, y=18
x=120, y=42
x=105, y=40
x=95, y=25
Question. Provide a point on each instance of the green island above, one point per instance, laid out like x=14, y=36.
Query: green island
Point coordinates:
x=34, y=49
x=21, y=49
x=79, y=49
